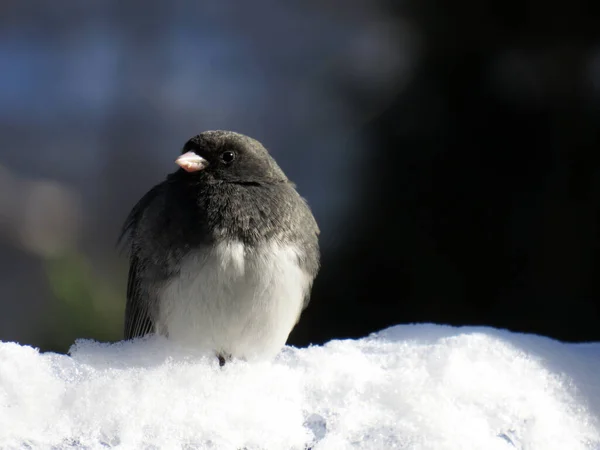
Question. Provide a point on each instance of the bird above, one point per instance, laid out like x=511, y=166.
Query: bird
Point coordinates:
x=223, y=253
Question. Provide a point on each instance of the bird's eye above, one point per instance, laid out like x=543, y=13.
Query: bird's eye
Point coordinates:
x=227, y=157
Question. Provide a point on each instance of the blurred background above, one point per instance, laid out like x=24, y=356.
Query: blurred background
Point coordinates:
x=450, y=152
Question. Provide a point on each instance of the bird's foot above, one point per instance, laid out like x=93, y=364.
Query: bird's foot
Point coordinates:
x=223, y=358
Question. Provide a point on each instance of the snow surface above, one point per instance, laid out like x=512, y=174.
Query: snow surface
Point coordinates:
x=407, y=387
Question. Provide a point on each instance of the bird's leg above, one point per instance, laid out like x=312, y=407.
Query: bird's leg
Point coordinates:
x=223, y=358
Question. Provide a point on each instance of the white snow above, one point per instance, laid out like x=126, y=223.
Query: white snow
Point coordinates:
x=407, y=387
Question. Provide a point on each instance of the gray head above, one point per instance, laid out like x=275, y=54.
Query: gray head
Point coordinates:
x=230, y=157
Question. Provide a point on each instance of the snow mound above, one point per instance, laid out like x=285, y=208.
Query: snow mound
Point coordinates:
x=407, y=387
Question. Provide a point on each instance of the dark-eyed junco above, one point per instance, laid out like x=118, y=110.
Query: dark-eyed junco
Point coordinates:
x=223, y=253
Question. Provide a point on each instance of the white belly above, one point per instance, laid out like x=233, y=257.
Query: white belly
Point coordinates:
x=237, y=300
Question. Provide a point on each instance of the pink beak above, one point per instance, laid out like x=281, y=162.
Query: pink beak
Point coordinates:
x=191, y=162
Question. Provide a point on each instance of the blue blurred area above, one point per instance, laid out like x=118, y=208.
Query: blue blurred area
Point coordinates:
x=75, y=80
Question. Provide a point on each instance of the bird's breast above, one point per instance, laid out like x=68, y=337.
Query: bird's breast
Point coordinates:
x=234, y=298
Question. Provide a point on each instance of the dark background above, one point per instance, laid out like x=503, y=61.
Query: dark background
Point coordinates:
x=449, y=150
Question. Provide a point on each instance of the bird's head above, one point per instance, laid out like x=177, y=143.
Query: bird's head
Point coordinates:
x=229, y=157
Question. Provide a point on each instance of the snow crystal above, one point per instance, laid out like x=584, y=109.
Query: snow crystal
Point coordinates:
x=407, y=387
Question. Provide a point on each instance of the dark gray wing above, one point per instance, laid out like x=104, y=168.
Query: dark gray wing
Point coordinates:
x=311, y=260
x=140, y=296
x=313, y=267
x=138, y=321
